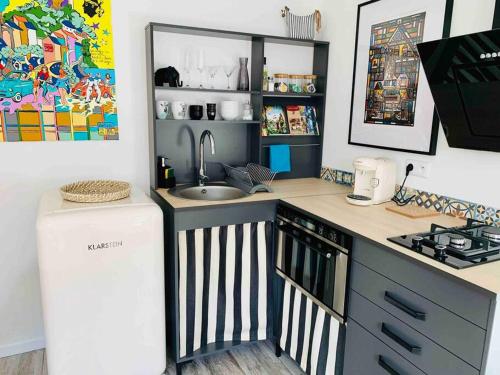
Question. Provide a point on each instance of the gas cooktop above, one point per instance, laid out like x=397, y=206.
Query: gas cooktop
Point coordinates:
x=459, y=247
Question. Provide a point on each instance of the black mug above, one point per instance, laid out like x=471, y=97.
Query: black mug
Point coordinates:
x=211, y=111
x=195, y=112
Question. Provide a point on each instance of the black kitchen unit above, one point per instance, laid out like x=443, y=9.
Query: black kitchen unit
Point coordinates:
x=234, y=242
x=471, y=245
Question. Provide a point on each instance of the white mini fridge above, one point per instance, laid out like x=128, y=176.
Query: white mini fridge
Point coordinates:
x=102, y=282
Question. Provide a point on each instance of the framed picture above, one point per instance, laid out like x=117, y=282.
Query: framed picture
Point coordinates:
x=391, y=105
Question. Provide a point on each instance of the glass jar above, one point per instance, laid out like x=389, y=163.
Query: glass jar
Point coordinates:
x=309, y=83
x=281, y=82
x=295, y=83
x=247, y=112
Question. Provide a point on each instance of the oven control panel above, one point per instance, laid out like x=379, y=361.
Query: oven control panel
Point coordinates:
x=316, y=226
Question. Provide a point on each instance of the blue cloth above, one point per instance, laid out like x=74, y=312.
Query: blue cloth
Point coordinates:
x=279, y=158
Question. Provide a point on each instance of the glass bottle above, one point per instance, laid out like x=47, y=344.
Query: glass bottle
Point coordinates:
x=265, y=75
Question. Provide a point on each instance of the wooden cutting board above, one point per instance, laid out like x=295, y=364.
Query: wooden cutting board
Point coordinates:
x=413, y=212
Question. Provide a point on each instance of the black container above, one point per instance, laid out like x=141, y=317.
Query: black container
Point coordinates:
x=195, y=112
x=211, y=111
x=166, y=178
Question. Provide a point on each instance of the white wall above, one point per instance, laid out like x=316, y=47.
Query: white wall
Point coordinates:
x=464, y=174
x=27, y=169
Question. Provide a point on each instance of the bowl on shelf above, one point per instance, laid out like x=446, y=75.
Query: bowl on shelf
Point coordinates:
x=229, y=110
x=195, y=112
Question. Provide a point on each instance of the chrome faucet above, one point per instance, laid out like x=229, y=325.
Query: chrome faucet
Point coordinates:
x=202, y=177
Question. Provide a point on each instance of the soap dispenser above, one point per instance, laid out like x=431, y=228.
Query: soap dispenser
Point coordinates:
x=166, y=177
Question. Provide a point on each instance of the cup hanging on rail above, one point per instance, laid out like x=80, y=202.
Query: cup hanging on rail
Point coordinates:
x=243, y=80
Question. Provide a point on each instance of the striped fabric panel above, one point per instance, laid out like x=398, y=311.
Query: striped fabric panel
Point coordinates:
x=308, y=334
x=300, y=27
x=225, y=277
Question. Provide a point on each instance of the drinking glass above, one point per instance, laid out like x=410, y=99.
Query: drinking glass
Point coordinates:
x=212, y=72
x=201, y=66
x=228, y=70
x=187, y=67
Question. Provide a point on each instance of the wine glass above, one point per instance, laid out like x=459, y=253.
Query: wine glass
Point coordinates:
x=229, y=70
x=212, y=72
x=201, y=66
x=187, y=67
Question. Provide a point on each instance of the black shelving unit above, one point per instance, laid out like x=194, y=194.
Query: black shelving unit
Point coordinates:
x=237, y=142
x=241, y=141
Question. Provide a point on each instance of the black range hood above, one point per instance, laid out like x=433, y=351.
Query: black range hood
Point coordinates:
x=464, y=77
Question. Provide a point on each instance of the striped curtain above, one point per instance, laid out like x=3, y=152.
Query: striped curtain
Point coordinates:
x=225, y=278
x=308, y=334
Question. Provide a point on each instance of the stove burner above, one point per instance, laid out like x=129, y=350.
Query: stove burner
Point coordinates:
x=459, y=247
x=456, y=240
x=492, y=233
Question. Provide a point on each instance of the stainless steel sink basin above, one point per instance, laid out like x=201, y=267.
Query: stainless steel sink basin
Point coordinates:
x=210, y=192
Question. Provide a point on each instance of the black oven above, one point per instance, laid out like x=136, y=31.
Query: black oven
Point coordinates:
x=315, y=258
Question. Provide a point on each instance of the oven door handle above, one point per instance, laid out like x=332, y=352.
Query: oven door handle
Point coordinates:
x=285, y=229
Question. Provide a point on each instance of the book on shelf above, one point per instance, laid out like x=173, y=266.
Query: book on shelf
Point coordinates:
x=289, y=120
x=296, y=119
x=274, y=121
x=311, y=120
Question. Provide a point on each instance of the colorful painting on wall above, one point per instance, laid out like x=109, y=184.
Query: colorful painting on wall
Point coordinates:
x=393, y=67
x=57, y=78
x=391, y=102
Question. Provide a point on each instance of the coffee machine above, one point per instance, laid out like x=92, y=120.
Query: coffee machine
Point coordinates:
x=374, y=181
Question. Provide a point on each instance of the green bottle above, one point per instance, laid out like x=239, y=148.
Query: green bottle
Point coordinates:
x=265, y=76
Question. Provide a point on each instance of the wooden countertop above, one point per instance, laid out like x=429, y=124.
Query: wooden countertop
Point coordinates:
x=377, y=224
x=281, y=189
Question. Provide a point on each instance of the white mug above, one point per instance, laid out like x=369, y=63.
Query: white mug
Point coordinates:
x=162, y=109
x=179, y=110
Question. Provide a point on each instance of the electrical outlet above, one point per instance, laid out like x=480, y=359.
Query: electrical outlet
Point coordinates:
x=420, y=168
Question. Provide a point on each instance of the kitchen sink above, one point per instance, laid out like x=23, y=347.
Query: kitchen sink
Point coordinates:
x=209, y=192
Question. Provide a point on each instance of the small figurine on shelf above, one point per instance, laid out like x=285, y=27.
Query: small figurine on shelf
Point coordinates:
x=167, y=77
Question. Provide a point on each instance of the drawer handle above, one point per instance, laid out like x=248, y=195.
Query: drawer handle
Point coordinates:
x=400, y=305
x=382, y=363
x=411, y=348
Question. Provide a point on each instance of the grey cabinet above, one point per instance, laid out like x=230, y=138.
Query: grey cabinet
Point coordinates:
x=435, y=322
x=442, y=326
x=424, y=353
x=367, y=355
x=453, y=295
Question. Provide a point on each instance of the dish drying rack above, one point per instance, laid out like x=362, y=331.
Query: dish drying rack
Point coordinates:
x=251, y=179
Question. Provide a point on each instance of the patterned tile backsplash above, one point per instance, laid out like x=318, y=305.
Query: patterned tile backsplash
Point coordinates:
x=432, y=201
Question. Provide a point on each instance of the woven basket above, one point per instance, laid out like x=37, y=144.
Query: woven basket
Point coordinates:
x=95, y=191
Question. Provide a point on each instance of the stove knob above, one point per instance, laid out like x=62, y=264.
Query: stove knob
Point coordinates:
x=417, y=242
x=440, y=251
x=321, y=230
x=332, y=236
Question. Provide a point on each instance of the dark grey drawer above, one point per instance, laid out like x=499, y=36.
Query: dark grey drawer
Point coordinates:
x=367, y=355
x=454, y=333
x=453, y=295
x=417, y=348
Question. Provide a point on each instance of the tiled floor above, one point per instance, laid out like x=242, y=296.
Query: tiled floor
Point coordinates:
x=248, y=359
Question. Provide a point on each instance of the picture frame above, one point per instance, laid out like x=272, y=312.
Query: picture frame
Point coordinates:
x=390, y=97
